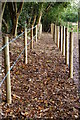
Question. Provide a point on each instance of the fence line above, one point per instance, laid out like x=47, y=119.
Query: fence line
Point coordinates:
x=60, y=37
x=16, y=38
x=6, y=46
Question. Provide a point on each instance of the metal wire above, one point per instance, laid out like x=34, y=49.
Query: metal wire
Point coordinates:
x=15, y=38
x=12, y=67
x=31, y=28
x=34, y=36
x=11, y=41
x=18, y=56
x=13, y=64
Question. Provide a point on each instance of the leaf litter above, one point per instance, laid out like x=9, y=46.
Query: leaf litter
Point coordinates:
x=42, y=88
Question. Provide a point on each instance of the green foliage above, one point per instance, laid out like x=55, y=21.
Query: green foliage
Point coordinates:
x=52, y=12
x=60, y=13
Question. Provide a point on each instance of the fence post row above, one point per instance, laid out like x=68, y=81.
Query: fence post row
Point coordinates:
x=25, y=45
x=7, y=69
x=62, y=43
x=7, y=59
x=71, y=56
x=31, y=44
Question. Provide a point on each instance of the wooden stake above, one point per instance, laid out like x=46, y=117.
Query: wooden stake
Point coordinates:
x=31, y=44
x=66, y=46
x=36, y=33
x=41, y=28
x=25, y=45
x=7, y=69
x=55, y=33
x=79, y=62
x=71, y=56
x=58, y=36
x=60, y=39
x=63, y=45
x=60, y=44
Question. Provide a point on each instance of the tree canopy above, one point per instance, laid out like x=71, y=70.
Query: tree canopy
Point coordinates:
x=15, y=14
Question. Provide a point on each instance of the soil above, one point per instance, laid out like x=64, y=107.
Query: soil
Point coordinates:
x=42, y=88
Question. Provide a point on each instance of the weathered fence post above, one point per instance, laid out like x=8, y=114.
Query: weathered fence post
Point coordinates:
x=60, y=39
x=36, y=33
x=58, y=36
x=63, y=45
x=31, y=44
x=25, y=45
x=55, y=33
x=79, y=63
x=66, y=46
x=40, y=29
x=7, y=70
x=71, y=56
x=39, y=25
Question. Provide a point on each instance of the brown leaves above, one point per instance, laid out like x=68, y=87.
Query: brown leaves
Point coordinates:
x=42, y=88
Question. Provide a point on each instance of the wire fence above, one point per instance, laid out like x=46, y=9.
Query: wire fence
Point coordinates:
x=28, y=30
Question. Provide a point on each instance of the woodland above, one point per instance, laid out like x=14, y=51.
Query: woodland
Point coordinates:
x=42, y=88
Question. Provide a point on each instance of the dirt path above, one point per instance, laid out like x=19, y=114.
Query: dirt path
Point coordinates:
x=42, y=88
x=76, y=59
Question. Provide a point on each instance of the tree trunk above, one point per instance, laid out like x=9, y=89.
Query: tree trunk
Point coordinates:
x=39, y=21
x=16, y=17
x=2, y=8
x=34, y=20
x=14, y=30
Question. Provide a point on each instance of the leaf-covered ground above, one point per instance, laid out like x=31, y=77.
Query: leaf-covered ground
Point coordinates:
x=42, y=88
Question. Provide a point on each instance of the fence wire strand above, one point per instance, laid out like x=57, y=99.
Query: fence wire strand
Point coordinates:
x=11, y=41
x=14, y=63
x=18, y=56
x=16, y=38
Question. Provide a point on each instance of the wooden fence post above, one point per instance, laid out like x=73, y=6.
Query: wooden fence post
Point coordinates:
x=61, y=38
x=25, y=45
x=58, y=36
x=41, y=28
x=63, y=45
x=31, y=44
x=66, y=46
x=55, y=33
x=71, y=56
x=7, y=69
x=79, y=62
x=36, y=33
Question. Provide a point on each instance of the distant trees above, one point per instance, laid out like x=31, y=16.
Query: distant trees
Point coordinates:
x=60, y=13
x=14, y=14
x=11, y=16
